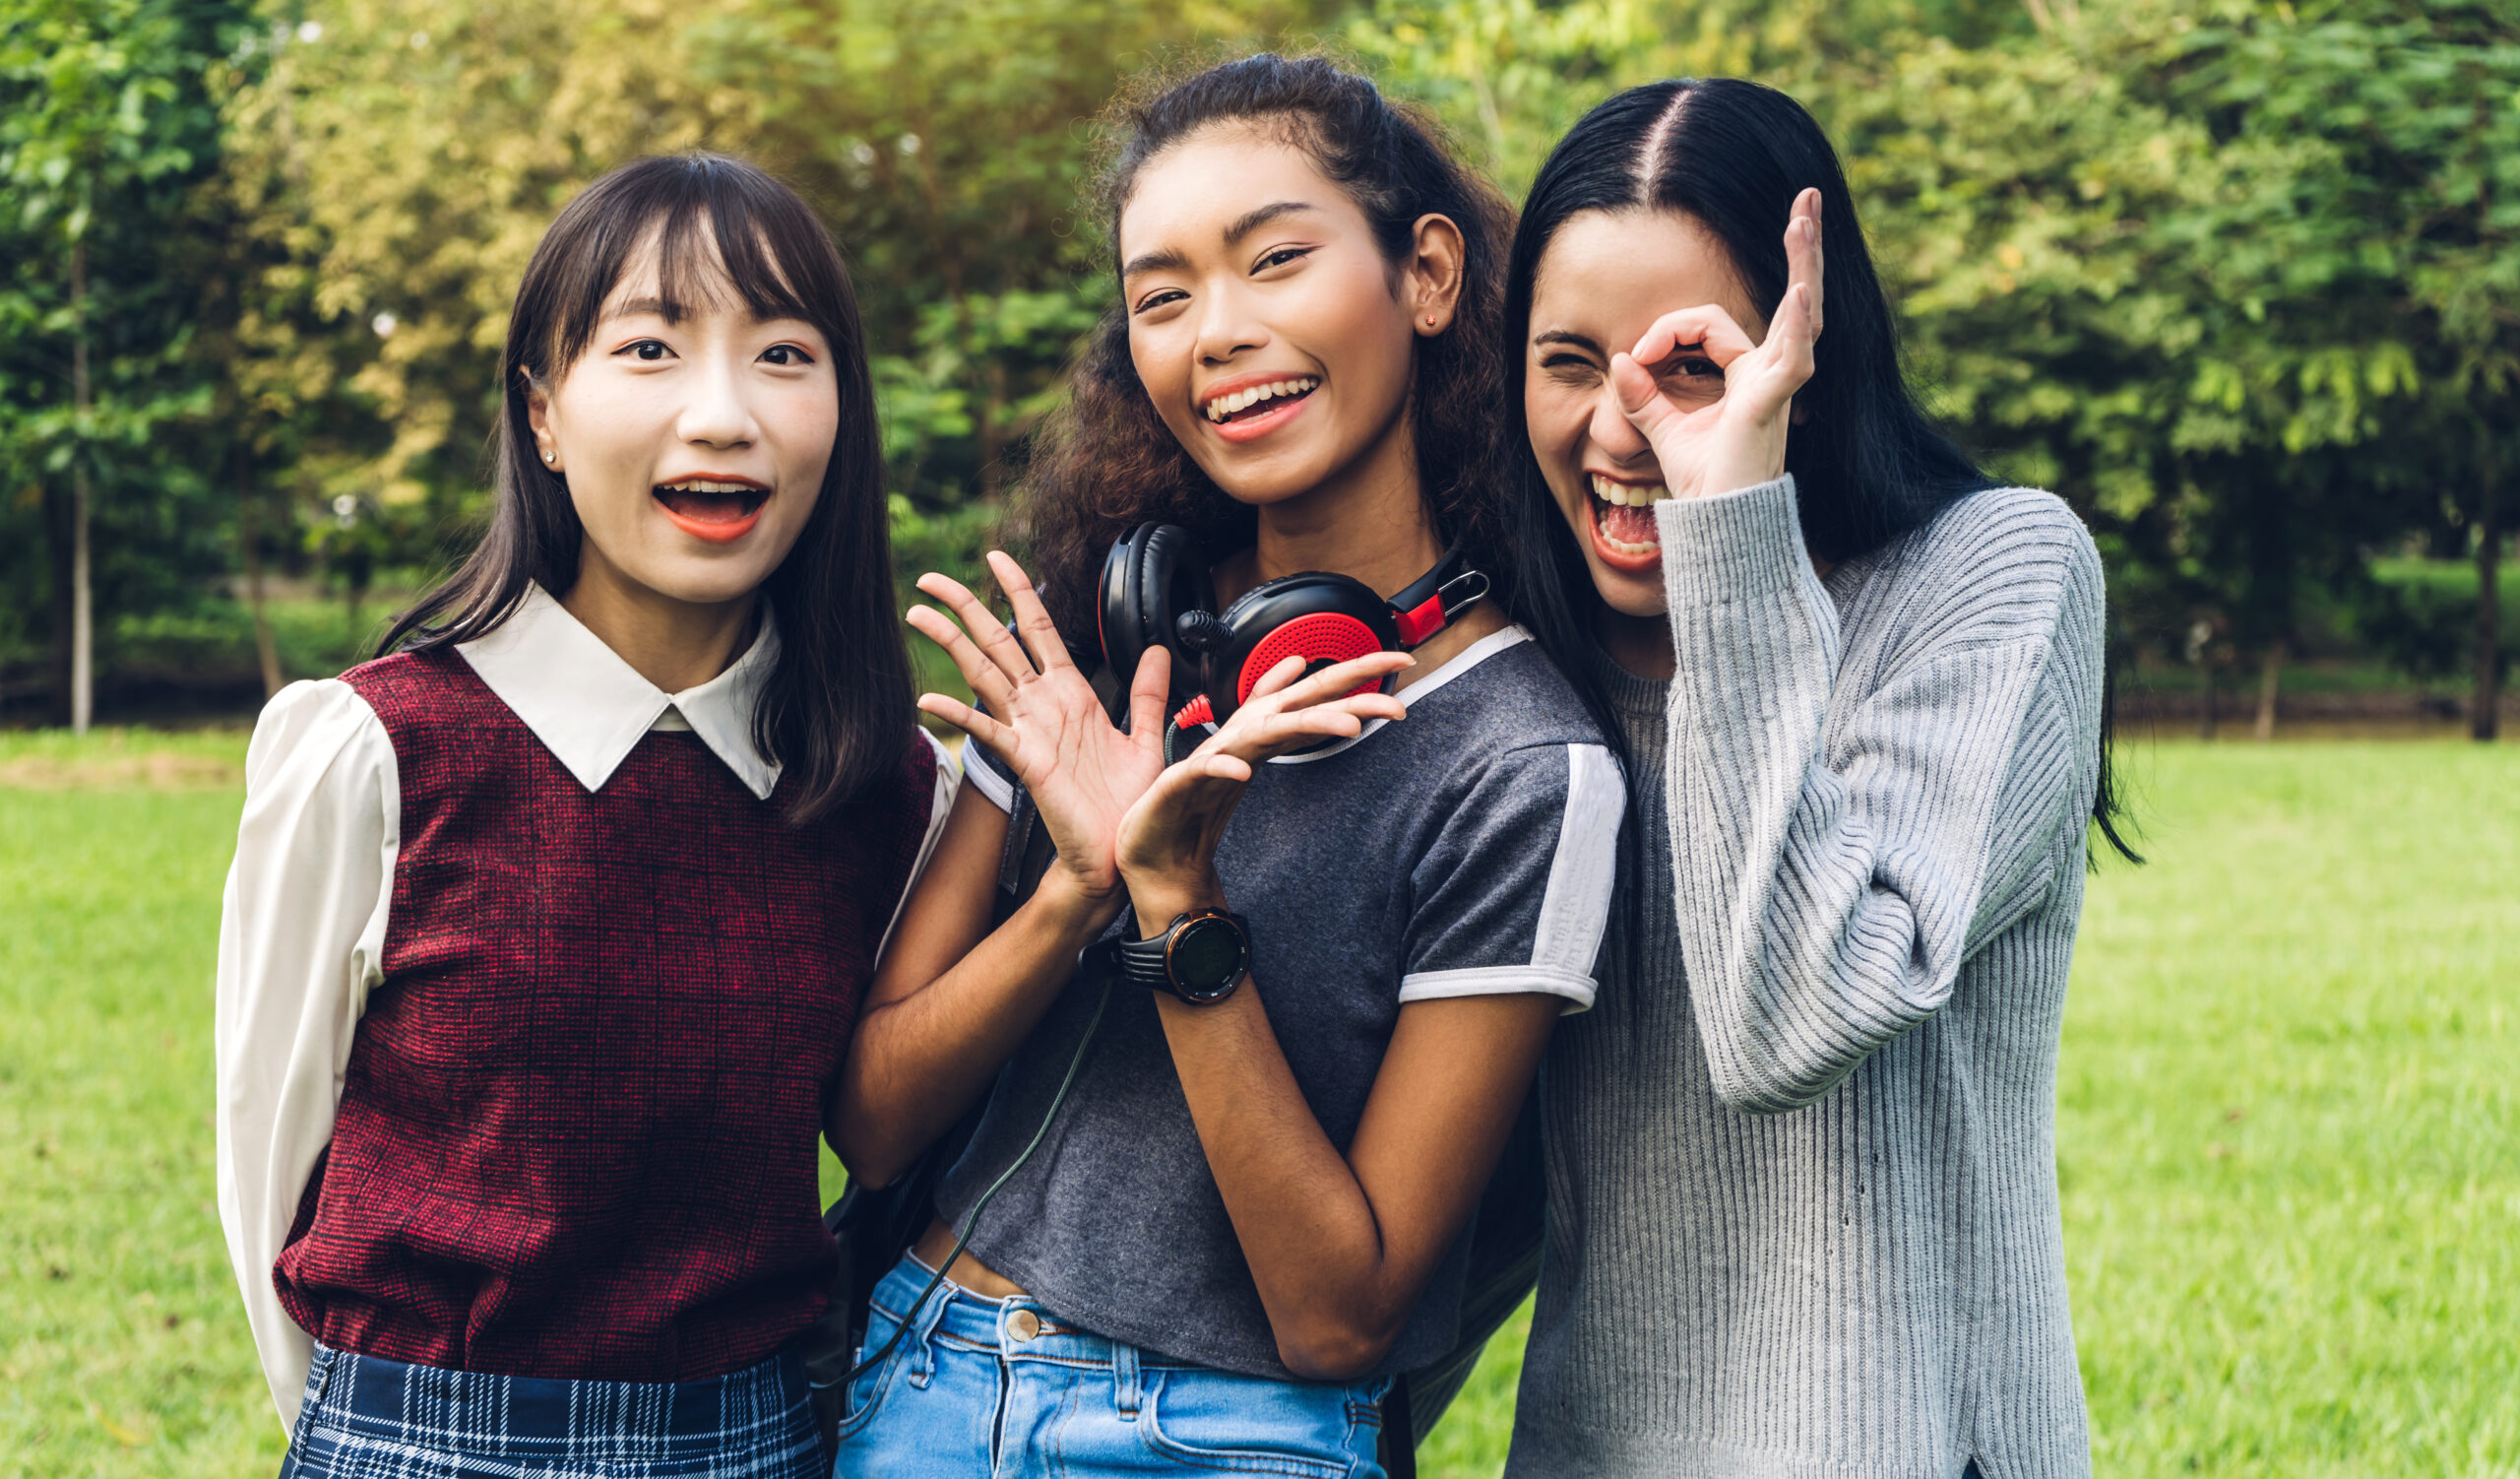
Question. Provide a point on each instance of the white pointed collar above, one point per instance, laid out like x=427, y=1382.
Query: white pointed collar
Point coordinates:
x=590, y=708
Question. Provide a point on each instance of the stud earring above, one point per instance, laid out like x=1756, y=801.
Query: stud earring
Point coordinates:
x=546, y=457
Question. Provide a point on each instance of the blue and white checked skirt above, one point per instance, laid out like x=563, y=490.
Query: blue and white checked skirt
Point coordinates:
x=366, y=1419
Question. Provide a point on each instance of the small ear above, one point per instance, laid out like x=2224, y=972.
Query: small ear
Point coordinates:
x=1435, y=270
x=538, y=416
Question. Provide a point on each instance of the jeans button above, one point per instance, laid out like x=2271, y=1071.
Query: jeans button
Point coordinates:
x=1023, y=1325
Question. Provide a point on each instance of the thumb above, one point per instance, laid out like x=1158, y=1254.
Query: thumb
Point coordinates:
x=1634, y=385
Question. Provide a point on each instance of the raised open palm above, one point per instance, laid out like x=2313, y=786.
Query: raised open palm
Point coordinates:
x=1738, y=440
x=1045, y=721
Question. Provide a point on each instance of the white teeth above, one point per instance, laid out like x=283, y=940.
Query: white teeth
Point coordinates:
x=1624, y=548
x=709, y=486
x=1628, y=496
x=1224, y=406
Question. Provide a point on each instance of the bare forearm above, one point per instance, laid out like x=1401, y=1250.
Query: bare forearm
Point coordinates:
x=918, y=1063
x=1336, y=1294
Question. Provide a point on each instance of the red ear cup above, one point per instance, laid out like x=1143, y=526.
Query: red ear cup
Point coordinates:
x=1315, y=616
x=1320, y=640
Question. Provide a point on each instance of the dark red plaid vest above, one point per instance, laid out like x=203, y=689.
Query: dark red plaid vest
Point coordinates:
x=577, y=1134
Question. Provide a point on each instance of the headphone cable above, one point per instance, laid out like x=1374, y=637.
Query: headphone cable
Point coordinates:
x=971, y=1220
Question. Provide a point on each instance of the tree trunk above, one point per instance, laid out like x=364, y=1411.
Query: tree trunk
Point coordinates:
x=56, y=530
x=82, y=623
x=250, y=532
x=2270, y=683
x=2485, y=716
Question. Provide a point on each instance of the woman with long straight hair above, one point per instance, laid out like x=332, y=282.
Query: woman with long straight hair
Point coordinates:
x=1232, y=1175
x=547, y=928
x=1804, y=1211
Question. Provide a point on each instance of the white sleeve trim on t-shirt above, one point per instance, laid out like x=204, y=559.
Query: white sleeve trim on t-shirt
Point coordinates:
x=1498, y=981
x=980, y=772
x=1575, y=907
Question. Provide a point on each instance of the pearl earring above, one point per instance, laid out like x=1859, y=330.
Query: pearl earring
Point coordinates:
x=546, y=457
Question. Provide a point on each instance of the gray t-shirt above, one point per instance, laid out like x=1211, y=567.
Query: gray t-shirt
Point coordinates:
x=1466, y=850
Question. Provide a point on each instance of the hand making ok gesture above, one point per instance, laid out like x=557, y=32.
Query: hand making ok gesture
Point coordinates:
x=1736, y=440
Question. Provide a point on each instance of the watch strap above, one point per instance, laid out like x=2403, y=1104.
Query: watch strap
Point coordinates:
x=1147, y=962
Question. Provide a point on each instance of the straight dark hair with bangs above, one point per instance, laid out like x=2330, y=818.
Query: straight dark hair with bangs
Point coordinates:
x=835, y=710
x=1869, y=465
x=1105, y=459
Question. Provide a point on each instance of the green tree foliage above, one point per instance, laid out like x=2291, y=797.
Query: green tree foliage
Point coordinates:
x=107, y=133
x=2236, y=278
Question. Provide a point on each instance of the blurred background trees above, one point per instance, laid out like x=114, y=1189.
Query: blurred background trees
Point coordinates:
x=2240, y=279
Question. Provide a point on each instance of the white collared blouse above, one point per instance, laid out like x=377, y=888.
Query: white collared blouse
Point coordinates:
x=302, y=924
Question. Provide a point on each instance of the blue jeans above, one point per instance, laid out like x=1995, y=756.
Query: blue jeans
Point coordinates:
x=982, y=1387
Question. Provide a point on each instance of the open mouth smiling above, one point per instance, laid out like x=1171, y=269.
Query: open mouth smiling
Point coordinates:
x=1624, y=521
x=718, y=509
x=1254, y=405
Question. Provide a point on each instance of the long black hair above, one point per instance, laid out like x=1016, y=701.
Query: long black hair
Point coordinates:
x=835, y=712
x=1108, y=462
x=1869, y=465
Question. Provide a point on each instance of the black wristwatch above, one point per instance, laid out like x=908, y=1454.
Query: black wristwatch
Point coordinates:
x=1201, y=959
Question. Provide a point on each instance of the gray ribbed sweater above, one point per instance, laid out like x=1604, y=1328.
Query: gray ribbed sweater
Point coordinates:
x=1802, y=1197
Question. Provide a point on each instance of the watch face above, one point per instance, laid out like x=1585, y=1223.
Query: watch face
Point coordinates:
x=1206, y=959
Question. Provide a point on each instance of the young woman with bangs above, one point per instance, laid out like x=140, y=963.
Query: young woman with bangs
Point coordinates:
x=547, y=929
x=1803, y=1210
x=1248, y=1212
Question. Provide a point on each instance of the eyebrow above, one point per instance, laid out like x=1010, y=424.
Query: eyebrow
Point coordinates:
x=1243, y=226
x=1254, y=221
x=1163, y=261
x=670, y=312
x=1565, y=336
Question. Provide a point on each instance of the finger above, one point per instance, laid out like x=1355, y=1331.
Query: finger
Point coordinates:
x=1803, y=261
x=1148, y=693
x=971, y=722
x=1640, y=400
x=992, y=637
x=976, y=669
x=1272, y=735
x=1229, y=768
x=1276, y=680
x=1706, y=328
x=1292, y=690
x=1789, y=348
x=1031, y=618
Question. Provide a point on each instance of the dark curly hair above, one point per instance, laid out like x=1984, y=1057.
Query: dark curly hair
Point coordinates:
x=1105, y=461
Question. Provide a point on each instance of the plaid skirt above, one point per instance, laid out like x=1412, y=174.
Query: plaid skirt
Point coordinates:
x=366, y=1419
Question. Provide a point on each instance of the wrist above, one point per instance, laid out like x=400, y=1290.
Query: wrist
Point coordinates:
x=1072, y=908
x=1158, y=901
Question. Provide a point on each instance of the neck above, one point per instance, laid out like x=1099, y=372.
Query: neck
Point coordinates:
x=1367, y=521
x=1640, y=645
x=672, y=644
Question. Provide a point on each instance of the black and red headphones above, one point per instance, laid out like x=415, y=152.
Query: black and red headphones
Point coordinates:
x=1156, y=589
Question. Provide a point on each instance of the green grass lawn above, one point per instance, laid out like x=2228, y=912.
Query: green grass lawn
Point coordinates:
x=2289, y=1127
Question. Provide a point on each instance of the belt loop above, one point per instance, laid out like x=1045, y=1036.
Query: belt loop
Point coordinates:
x=1125, y=1388
x=922, y=1353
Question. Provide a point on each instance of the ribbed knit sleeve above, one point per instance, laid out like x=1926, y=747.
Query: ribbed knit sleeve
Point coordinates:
x=1829, y=889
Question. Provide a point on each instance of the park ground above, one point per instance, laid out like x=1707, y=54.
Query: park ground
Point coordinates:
x=2289, y=1125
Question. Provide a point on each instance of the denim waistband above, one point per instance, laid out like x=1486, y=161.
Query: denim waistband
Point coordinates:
x=552, y=1420
x=1019, y=1327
